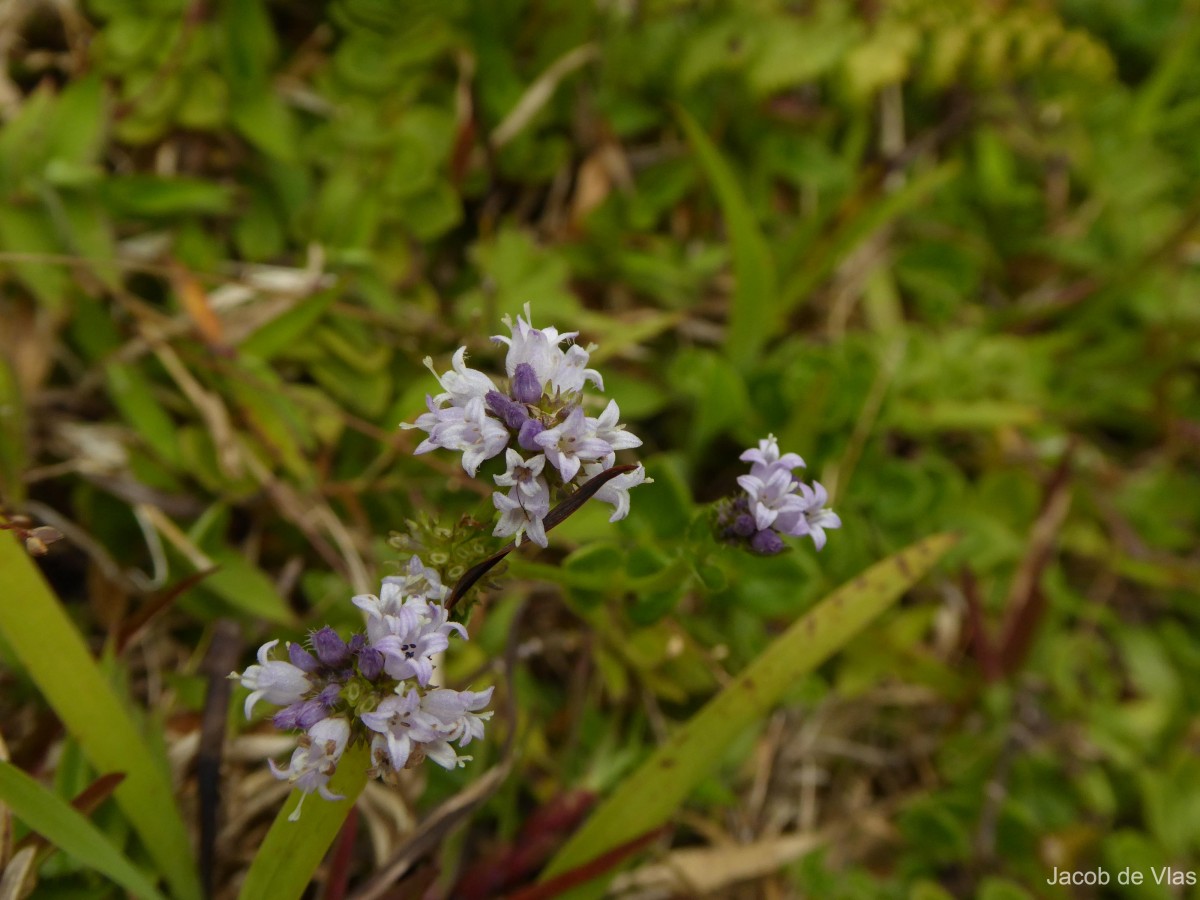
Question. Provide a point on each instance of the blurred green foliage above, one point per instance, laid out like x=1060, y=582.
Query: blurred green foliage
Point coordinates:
x=937, y=248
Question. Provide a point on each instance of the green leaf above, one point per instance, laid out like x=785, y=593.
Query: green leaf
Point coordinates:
x=291, y=851
x=134, y=397
x=24, y=230
x=266, y=122
x=246, y=588
x=13, y=448
x=63, y=826
x=284, y=331
x=150, y=196
x=58, y=661
x=843, y=240
x=755, y=308
x=649, y=796
x=80, y=118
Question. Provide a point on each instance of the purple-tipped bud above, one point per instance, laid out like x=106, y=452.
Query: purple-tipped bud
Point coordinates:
x=766, y=542
x=525, y=385
x=370, y=663
x=329, y=695
x=331, y=649
x=302, y=659
x=743, y=525
x=285, y=719
x=357, y=641
x=311, y=712
x=511, y=412
x=303, y=714
x=530, y=430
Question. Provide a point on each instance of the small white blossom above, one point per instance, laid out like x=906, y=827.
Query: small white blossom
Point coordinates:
x=315, y=760
x=571, y=372
x=766, y=459
x=521, y=517
x=525, y=476
x=616, y=490
x=414, y=637
x=461, y=384
x=816, y=516
x=435, y=423
x=419, y=580
x=273, y=680
x=568, y=444
x=393, y=719
x=478, y=436
x=538, y=347
x=772, y=499
x=608, y=428
x=455, y=714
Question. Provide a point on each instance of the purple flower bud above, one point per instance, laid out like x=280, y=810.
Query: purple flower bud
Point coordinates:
x=302, y=659
x=525, y=385
x=331, y=649
x=311, y=712
x=286, y=719
x=530, y=430
x=513, y=414
x=303, y=715
x=357, y=641
x=329, y=695
x=743, y=525
x=370, y=663
x=766, y=542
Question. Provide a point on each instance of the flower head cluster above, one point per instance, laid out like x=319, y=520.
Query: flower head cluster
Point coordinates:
x=773, y=503
x=536, y=418
x=374, y=687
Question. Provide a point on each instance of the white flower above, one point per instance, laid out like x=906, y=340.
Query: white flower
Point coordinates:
x=773, y=499
x=413, y=637
x=766, y=459
x=435, y=423
x=454, y=713
x=571, y=442
x=616, y=490
x=525, y=476
x=477, y=436
x=569, y=375
x=519, y=516
x=461, y=384
x=537, y=347
x=393, y=719
x=273, y=680
x=419, y=580
x=315, y=760
x=608, y=428
x=816, y=516
x=410, y=721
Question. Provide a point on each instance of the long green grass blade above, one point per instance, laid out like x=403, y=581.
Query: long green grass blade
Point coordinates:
x=291, y=852
x=652, y=793
x=66, y=828
x=59, y=663
x=822, y=259
x=755, y=306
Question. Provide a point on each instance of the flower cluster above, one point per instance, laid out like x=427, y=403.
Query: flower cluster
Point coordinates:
x=773, y=503
x=373, y=688
x=541, y=411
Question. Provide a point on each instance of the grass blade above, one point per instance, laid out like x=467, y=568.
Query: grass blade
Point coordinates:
x=755, y=306
x=652, y=793
x=70, y=831
x=291, y=852
x=59, y=663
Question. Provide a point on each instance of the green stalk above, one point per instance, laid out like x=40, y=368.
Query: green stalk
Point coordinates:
x=57, y=660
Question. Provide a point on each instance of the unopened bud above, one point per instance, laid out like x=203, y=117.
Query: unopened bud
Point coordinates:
x=525, y=385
